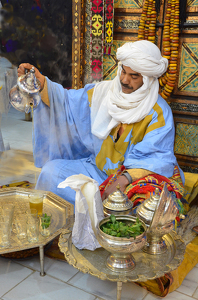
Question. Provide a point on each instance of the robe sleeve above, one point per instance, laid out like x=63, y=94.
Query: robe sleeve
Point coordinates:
x=63, y=130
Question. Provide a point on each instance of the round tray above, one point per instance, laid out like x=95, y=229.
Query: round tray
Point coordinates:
x=147, y=266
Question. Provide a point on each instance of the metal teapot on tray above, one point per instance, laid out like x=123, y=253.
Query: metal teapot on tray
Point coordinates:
x=158, y=212
x=25, y=94
x=117, y=203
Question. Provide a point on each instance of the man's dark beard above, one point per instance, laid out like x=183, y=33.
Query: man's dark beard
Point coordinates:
x=126, y=86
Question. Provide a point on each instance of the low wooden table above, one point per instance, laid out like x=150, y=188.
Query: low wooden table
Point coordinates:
x=58, y=207
x=147, y=266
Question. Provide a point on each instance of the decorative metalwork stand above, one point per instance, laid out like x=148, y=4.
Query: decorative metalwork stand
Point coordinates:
x=147, y=266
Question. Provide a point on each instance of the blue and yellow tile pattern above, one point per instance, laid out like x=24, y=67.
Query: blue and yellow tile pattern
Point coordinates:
x=128, y=3
x=188, y=75
x=186, y=139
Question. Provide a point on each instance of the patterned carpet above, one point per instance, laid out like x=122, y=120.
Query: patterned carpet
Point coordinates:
x=23, y=184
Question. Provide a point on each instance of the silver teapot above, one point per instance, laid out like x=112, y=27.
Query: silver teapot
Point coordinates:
x=146, y=210
x=25, y=94
x=117, y=203
x=158, y=212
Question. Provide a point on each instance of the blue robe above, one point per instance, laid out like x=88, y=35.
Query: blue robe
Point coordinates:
x=65, y=146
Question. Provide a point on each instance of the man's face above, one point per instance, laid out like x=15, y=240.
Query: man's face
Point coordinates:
x=130, y=80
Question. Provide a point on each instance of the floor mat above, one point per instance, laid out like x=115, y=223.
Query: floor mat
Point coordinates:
x=23, y=184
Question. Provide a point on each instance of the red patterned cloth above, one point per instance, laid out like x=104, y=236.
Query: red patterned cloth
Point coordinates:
x=140, y=189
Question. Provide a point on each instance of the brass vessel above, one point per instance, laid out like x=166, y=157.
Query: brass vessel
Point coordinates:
x=120, y=248
x=146, y=210
x=158, y=212
x=117, y=203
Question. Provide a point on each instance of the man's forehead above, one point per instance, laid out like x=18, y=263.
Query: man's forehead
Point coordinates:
x=129, y=70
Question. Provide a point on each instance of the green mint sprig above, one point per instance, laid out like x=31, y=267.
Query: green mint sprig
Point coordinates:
x=45, y=221
x=124, y=229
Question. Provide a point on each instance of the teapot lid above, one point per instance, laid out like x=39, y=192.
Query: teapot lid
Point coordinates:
x=146, y=210
x=117, y=201
x=29, y=83
x=166, y=209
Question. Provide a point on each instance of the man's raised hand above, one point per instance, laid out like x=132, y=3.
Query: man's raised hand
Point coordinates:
x=26, y=66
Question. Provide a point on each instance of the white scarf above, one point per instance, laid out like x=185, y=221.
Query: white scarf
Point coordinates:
x=110, y=106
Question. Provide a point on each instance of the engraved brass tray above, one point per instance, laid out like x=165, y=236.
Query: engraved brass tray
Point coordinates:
x=147, y=266
x=58, y=207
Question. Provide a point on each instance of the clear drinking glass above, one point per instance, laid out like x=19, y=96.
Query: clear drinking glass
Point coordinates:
x=7, y=212
x=31, y=213
x=20, y=223
x=45, y=224
x=36, y=202
x=33, y=230
x=5, y=233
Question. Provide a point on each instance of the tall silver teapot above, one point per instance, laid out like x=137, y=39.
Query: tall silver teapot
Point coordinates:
x=25, y=94
x=158, y=212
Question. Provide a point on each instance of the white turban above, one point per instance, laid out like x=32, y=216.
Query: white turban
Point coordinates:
x=110, y=106
x=143, y=57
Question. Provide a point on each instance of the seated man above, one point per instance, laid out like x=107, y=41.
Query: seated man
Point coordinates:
x=118, y=131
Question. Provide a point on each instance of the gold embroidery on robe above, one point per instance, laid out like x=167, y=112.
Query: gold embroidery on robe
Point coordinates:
x=115, y=151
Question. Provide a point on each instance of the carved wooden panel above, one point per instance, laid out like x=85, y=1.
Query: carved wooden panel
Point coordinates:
x=186, y=146
x=187, y=79
x=128, y=4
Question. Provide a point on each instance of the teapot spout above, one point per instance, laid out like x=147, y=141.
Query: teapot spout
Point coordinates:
x=27, y=108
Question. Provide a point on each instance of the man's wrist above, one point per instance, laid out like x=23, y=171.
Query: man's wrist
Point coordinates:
x=42, y=82
x=127, y=175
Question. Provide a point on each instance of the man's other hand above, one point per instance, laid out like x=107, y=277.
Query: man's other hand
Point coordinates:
x=122, y=181
x=26, y=66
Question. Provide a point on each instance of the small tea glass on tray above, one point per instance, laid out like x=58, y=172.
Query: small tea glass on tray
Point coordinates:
x=31, y=213
x=36, y=202
x=20, y=226
x=7, y=212
x=5, y=233
x=33, y=230
x=45, y=224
